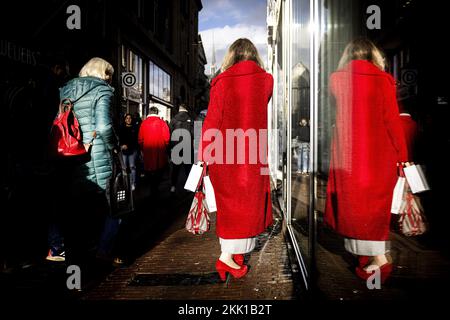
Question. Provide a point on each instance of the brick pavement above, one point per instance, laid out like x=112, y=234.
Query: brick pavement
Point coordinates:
x=420, y=272
x=182, y=266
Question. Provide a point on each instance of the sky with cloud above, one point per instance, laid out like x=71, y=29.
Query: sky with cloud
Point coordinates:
x=229, y=20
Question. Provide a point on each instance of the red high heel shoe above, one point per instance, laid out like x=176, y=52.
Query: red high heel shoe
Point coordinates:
x=239, y=259
x=222, y=268
x=385, y=270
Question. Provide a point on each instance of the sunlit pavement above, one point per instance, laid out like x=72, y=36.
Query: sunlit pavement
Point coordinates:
x=182, y=267
x=162, y=261
x=420, y=266
x=165, y=262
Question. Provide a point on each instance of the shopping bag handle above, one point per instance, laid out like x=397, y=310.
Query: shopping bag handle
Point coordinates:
x=400, y=171
x=204, y=172
x=402, y=165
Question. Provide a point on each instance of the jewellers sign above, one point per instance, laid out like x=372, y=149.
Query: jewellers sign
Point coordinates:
x=17, y=53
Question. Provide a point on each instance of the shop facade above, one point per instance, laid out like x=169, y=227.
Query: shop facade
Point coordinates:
x=156, y=41
x=160, y=46
x=151, y=85
x=306, y=39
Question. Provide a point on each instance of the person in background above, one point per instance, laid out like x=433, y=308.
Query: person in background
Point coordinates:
x=92, y=96
x=368, y=145
x=411, y=131
x=137, y=119
x=128, y=141
x=238, y=101
x=406, y=104
x=58, y=73
x=303, y=147
x=181, y=121
x=153, y=138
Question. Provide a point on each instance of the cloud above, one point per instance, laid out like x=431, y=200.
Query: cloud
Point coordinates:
x=224, y=37
x=214, y=10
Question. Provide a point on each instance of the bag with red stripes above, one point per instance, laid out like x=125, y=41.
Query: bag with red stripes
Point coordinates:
x=198, y=221
x=412, y=219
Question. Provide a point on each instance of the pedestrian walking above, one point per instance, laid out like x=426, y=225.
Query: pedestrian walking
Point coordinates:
x=58, y=72
x=411, y=131
x=92, y=94
x=303, y=147
x=367, y=147
x=183, y=126
x=238, y=102
x=153, y=138
x=128, y=140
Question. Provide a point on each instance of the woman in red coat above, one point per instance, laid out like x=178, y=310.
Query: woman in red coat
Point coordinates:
x=238, y=166
x=154, y=138
x=367, y=146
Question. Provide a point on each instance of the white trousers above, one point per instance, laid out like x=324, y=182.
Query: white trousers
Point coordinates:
x=237, y=246
x=366, y=247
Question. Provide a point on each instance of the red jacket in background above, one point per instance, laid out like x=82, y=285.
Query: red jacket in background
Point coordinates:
x=154, y=139
x=368, y=142
x=411, y=132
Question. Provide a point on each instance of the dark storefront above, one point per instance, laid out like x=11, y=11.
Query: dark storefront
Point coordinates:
x=157, y=41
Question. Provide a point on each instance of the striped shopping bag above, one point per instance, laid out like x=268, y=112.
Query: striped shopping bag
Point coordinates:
x=412, y=219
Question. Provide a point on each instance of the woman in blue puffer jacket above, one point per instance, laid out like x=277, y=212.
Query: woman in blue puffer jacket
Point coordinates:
x=92, y=96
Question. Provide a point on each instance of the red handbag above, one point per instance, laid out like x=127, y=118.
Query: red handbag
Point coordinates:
x=198, y=221
x=66, y=136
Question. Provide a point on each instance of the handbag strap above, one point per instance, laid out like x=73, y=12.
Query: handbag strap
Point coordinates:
x=400, y=171
x=94, y=132
x=71, y=103
x=118, y=153
x=191, y=217
x=199, y=211
x=200, y=182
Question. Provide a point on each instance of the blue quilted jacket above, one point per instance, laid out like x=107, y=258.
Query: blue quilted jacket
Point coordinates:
x=93, y=98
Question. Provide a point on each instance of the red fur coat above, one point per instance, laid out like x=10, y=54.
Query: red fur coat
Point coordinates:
x=238, y=100
x=368, y=142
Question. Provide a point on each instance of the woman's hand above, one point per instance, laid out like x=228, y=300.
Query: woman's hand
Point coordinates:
x=124, y=147
x=405, y=164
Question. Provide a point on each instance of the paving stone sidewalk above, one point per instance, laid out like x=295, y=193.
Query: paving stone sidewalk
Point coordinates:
x=182, y=266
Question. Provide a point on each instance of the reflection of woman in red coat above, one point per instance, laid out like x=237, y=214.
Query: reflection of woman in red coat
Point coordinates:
x=238, y=103
x=368, y=144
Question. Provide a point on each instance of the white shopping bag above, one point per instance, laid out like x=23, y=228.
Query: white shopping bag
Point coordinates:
x=416, y=178
x=194, y=176
x=397, y=198
x=209, y=195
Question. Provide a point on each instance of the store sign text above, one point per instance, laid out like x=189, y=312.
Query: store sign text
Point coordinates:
x=17, y=53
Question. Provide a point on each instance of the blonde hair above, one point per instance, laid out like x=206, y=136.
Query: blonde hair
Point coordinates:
x=362, y=49
x=241, y=50
x=97, y=67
